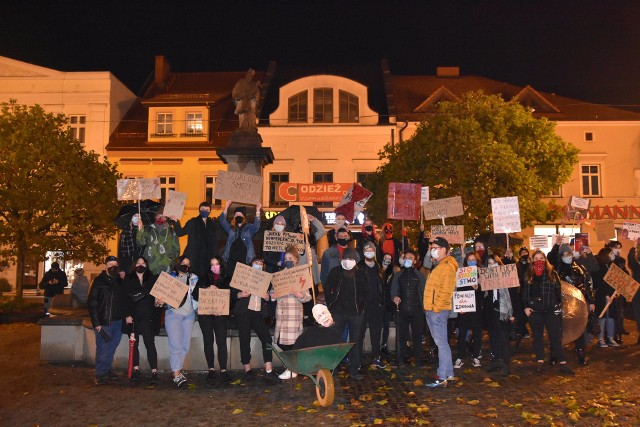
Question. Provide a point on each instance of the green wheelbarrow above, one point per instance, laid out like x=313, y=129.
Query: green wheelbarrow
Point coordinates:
x=317, y=364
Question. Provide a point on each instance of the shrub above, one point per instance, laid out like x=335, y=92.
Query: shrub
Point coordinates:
x=5, y=286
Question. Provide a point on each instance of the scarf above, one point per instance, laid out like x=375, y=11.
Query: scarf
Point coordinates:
x=503, y=297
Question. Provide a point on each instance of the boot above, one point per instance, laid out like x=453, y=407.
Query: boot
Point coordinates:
x=581, y=357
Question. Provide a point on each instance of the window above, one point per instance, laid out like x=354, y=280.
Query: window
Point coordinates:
x=164, y=124
x=588, y=136
x=348, y=107
x=556, y=192
x=275, y=179
x=323, y=105
x=166, y=183
x=591, y=185
x=78, y=127
x=363, y=178
x=209, y=186
x=298, y=108
x=194, y=123
x=320, y=178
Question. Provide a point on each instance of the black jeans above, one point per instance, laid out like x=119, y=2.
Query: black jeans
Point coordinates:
x=476, y=341
x=354, y=321
x=416, y=321
x=386, y=320
x=246, y=322
x=499, y=339
x=635, y=303
x=553, y=322
x=214, y=328
x=145, y=328
x=373, y=316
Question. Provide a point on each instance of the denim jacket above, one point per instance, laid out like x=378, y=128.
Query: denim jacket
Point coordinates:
x=246, y=234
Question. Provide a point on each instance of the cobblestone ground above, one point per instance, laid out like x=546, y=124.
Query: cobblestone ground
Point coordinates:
x=606, y=392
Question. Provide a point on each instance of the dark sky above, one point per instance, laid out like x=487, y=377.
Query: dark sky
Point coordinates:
x=588, y=50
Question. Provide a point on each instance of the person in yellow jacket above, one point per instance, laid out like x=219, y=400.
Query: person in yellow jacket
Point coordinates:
x=438, y=294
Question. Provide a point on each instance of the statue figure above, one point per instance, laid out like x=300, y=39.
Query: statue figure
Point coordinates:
x=245, y=95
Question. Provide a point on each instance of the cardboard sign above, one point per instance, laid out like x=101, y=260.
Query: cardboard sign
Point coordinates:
x=275, y=241
x=576, y=209
x=605, y=229
x=353, y=202
x=321, y=192
x=453, y=233
x=502, y=276
x=566, y=239
x=214, y=302
x=169, y=290
x=238, y=187
x=464, y=302
x=621, y=282
x=291, y=280
x=403, y=201
x=539, y=242
x=424, y=195
x=630, y=231
x=581, y=241
x=506, y=214
x=443, y=208
x=174, y=206
x=138, y=189
x=579, y=203
x=467, y=276
x=249, y=279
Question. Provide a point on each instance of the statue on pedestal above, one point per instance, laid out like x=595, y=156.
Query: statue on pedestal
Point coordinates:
x=245, y=95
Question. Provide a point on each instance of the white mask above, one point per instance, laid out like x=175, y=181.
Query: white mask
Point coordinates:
x=257, y=266
x=279, y=228
x=435, y=253
x=612, y=256
x=567, y=259
x=369, y=254
x=348, y=264
x=492, y=264
x=135, y=219
x=386, y=263
x=408, y=263
x=616, y=251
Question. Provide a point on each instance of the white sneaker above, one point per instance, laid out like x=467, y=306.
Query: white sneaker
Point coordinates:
x=458, y=364
x=612, y=343
x=287, y=374
x=476, y=362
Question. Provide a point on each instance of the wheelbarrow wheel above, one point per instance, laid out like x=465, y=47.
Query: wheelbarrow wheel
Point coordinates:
x=325, y=389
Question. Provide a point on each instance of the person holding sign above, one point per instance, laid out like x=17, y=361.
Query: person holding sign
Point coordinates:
x=274, y=260
x=214, y=328
x=634, y=265
x=239, y=246
x=616, y=247
x=542, y=300
x=161, y=245
x=471, y=321
x=604, y=294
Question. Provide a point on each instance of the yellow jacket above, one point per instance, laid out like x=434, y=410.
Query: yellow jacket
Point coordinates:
x=441, y=283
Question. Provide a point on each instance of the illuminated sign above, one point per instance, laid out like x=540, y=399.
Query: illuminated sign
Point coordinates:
x=322, y=192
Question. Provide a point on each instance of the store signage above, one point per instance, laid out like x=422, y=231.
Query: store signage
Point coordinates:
x=614, y=212
x=322, y=192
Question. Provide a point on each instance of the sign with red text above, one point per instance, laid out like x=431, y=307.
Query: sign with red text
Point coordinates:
x=502, y=276
x=174, y=206
x=467, y=276
x=443, y=208
x=291, y=280
x=320, y=192
x=213, y=302
x=464, y=301
x=506, y=214
x=169, y=290
x=238, y=187
x=275, y=241
x=353, y=202
x=403, y=201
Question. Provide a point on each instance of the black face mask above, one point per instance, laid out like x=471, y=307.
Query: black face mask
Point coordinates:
x=239, y=220
x=112, y=271
x=141, y=268
x=184, y=268
x=343, y=242
x=369, y=228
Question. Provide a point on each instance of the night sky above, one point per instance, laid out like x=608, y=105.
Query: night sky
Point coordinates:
x=587, y=50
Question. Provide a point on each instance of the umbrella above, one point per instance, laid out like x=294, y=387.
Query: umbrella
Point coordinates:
x=132, y=342
x=575, y=313
x=148, y=209
x=498, y=240
x=292, y=216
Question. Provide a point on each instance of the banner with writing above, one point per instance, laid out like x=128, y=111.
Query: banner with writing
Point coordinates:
x=621, y=282
x=502, y=276
x=169, y=290
x=238, y=187
x=467, y=276
x=249, y=279
x=443, y=208
x=138, y=188
x=453, y=233
x=630, y=231
x=506, y=214
x=539, y=242
x=605, y=229
x=403, y=201
x=353, y=202
x=424, y=195
x=214, y=302
x=174, y=205
x=291, y=280
x=275, y=241
x=464, y=302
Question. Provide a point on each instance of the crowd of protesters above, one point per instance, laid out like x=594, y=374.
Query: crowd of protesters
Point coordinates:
x=367, y=281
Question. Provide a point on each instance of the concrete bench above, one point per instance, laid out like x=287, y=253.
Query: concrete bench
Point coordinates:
x=62, y=305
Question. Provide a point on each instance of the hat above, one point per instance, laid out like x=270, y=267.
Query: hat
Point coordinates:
x=349, y=253
x=440, y=241
x=564, y=248
x=55, y=265
x=279, y=219
x=79, y=270
x=523, y=249
x=110, y=258
x=241, y=209
x=369, y=245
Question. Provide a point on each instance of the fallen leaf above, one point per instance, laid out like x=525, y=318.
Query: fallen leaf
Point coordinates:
x=301, y=408
x=468, y=371
x=366, y=397
x=418, y=382
x=459, y=400
x=331, y=416
x=421, y=422
x=394, y=376
x=382, y=402
x=487, y=380
x=260, y=414
x=493, y=384
x=410, y=394
x=473, y=402
x=340, y=407
x=298, y=386
x=236, y=382
x=378, y=421
x=237, y=411
x=311, y=411
x=192, y=386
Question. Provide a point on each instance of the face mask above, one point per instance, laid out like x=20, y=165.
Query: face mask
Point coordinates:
x=480, y=252
x=161, y=221
x=616, y=252
x=408, y=263
x=343, y=242
x=524, y=258
x=279, y=228
x=386, y=263
x=472, y=263
x=141, y=268
x=612, y=256
x=348, y=264
x=134, y=220
x=257, y=266
x=204, y=214
x=576, y=254
x=369, y=255
x=288, y=264
x=239, y=220
x=567, y=259
x=215, y=269
x=340, y=223
x=435, y=253
x=369, y=228
x=184, y=268
x=112, y=271
x=539, y=266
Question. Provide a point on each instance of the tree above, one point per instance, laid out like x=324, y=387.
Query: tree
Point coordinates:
x=54, y=194
x=479, y=148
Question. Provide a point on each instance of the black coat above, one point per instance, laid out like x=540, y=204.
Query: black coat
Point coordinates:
x=51, y=289
x=334, y=294
x=141, y=303
x=107, y=301
x=202, y=244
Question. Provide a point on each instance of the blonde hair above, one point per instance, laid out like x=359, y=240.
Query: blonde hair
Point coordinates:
x=291, y=249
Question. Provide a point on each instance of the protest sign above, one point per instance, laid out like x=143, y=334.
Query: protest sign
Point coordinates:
x=149, y=188
x=580, y=241
x=539, y=242
x=174, y=206
x=249, y=279
x=443, y=208
x=506, y=214
x=424, y=195
x=403, y=201
x=453, y=233
x=576, y=209
x=621, y=282
x=566, y=239
x=502, y=276
x=630, y=231
x=213, y=302
x=238, y=187
x=464, y=302
x=275, y=241
x=318, y=192
x=169, y=290
x=127, y=189
x=353, y=202
x=579, y=203
x=467, y=276
x=605, y=229
x=138, y=188
x=291, y=280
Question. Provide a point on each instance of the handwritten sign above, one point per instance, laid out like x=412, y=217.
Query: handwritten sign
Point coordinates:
x=579, y=203
x=138, y=188
x=275, y=241
x=621, y=282
x=464, y=302
x=291, y=280
x=605, y=229
x=467, y=276
x=630, y=231
x=502, y=276
x=453, y=233
x=506, y=214
x=239, y=187
x=443, y=208
x=214, y=302
x=424, y=195
x=403, y=201
x=169, y=289
x=566, y=239
x=249, y=279
x=539, y=242
x=353, y=202
x=174, y=206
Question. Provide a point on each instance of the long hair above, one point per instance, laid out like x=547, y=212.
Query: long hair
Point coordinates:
x=177, y=262
x=496, y=258
x=603, y=255
x=530, y=273
x=293, y=250
x=223, y=269
x=132, y=269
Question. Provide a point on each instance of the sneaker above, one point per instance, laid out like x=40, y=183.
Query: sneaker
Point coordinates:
x=566, y=369
x=287, y=374
x=377, y=362
x=249, y=375
x=154, y=379
x=458, y=364
x=451, y=379
x=179, y=380
x=437, y=383
x=602, y=344
x=224, y=377
x=476, y=362
x=612, y=343
x=111, y=376
x=271, y=378
x=135, y=376
x=384, y=350
x=99, y=380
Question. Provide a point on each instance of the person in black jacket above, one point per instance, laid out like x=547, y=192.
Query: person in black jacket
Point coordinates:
x=202, y=244
x=108, y=305
x=347, y=292
x=138, y=283
x=634, y=265
x=374, y=311
x=471, y=321
x=53, y=282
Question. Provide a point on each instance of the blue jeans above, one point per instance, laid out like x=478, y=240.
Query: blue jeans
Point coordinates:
x=438, y=326
x=179, y=329
x=106, y=350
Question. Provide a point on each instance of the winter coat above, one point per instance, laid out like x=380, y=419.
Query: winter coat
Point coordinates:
x=51, y=289
x=339, y=278
x=438, y=292
x=107, y=301
x=330, y=259
x=543, y=293
x=579, y=277
x=202, y=244
x=247, y=232
x=161, y=247
x=289, y=316
x=408, y=284
x=603, y=290
x=141, y=302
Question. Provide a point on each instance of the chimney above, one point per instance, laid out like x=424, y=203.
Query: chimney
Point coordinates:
x=162, y=70
x=448, y=72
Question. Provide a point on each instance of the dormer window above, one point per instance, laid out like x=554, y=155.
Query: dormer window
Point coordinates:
x=164, y=124
x=194, y=123
x=323, y=105
x=298, y=107
x=349, y=111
